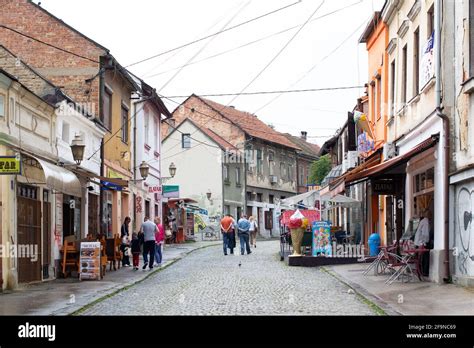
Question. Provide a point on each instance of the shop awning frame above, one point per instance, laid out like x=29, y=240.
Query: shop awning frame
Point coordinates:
x=60, y=179
x=391, y=163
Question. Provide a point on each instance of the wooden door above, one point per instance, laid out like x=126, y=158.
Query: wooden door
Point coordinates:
x=389, y=217
x=29, y=234
x=46, y=251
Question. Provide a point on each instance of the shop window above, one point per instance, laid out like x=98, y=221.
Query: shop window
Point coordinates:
x=2, y=106
x=28, y=192
x=186, y=141
x=404, y=75
x=424, y=181
x=416, y=62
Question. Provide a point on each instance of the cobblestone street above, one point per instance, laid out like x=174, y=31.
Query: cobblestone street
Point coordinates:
x=208, y=283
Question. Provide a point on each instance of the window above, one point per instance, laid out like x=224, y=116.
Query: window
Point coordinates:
x=107, y=108
x=290, y=172
x=226, y=209
x=147, y=126
x=147, y=208
x=392, y=88
x=12, y=109
x=155, y=133
x=271, y=162
x=157, y=212
x=259, y=161
x=249, y=196
x=271, y=199
x=301, y=176
x=186, y=141
x=239, y=212
x=404, y=75
x=372, y=101
x=124, y=124
x=416, y=62
x=430, y=22
x=379, y=98
x=65, y=132
x=259, y=197
x=2, y=106
x=226, y=173
x=282, y=170
x=237, y=177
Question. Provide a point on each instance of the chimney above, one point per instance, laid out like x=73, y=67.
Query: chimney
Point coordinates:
x=304, y=135
x=232, y=106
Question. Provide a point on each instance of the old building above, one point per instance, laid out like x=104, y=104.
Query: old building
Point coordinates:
x=304, y=158
x=457, y=97
x=270, y=158
x=88, y=73
x=210, y=171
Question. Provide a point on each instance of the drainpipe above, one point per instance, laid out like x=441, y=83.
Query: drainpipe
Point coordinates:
x=445, y=120
x=102, y=151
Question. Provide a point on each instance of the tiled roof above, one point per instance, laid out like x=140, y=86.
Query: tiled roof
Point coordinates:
x=250, y=124
x=224, y=144
x=307, y=148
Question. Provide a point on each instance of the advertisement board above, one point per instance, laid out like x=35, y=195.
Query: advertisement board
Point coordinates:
x=89, y=263
x=10, y=165
x=321, y=238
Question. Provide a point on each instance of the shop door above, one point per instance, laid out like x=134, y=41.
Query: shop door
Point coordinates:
x=29, y=234
x=46, y=234
x=68, y=219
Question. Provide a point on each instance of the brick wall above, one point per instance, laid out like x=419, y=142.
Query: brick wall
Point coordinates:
x=62, y=69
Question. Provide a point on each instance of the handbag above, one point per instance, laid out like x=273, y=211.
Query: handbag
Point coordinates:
x=168, y=233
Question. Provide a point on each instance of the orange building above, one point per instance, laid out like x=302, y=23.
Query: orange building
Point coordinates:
x=374, y=124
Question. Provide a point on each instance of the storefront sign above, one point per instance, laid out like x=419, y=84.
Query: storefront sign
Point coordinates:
x=383, y=187
x=90, y=261
x=154, y=189
x=427, y=61
x=10, y=165
x=113, y=174
x=321, y=238
x=171, y=191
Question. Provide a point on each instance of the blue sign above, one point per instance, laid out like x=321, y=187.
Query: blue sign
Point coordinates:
x=321, y=238
x=106, y=186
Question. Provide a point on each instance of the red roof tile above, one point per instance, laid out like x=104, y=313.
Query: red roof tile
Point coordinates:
x=250, y=124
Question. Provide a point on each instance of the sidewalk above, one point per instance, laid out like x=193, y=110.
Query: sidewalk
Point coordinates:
x=65, y=296
x=413, y=298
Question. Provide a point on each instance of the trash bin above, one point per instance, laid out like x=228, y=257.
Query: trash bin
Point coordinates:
x=374, y=243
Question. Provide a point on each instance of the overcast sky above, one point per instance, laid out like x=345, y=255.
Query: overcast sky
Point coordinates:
x=135, y=30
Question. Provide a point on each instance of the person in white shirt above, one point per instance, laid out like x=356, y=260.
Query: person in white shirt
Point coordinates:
x=253, y=231
x=422, y=234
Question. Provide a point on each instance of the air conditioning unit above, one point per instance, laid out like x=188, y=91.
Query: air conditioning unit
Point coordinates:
x=389, y=151
x=273, y=179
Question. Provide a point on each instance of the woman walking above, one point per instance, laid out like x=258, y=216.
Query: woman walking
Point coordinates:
x=159, y=238
x=253, y=231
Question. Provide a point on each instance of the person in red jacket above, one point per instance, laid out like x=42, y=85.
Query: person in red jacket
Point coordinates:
x=159, y=238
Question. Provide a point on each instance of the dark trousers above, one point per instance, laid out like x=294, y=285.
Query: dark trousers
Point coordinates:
x=244, y=241
x=149, y=249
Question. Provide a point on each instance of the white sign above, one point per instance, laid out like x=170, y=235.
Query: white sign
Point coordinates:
x=427, y=61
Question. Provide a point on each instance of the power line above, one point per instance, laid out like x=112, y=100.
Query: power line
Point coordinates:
x=48, y=44
x=315, y=65
x=279, y=52
x=214, y=34
x=272, y=92
x=204, y=46
x=252, y=42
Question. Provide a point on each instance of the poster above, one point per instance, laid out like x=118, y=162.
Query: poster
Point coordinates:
x=427, y=61
x=90, y=261
x=321, y=238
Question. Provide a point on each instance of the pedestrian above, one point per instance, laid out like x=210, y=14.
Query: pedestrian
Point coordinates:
x=135, y=246
x=141, y=240
x=253, y=231
x=124, y=236
x=148, y=229
x=422, y=240
x=159, y=238
x=231, y=235
x=244, y=234
x=125, y=247
x=227, y=224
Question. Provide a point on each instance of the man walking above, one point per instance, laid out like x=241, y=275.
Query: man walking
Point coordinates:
x=148, y=230
x=244, y=234
x=227, y=224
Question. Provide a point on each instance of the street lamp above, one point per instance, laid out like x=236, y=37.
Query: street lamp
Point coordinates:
x=77, y=148
x=172, y=169
x=144, y=169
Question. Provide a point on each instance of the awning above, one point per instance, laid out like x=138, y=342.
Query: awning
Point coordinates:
x=60, y=179
x=308, y=199
x=392, y=163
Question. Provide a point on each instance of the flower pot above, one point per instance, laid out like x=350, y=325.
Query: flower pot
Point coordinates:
x=296, y=239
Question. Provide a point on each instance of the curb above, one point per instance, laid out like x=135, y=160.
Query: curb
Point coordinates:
x=377, y=304
x=128, y=286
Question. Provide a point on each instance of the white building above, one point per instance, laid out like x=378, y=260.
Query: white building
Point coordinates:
x=147, y=114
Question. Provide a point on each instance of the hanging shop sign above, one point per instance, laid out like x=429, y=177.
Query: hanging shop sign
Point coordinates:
x=171, y=191
x=427, y=61
x=383, y=187
x=364, y=144
x=90, y=261
x=321, y=238
x=154, y=189
x=10, y=165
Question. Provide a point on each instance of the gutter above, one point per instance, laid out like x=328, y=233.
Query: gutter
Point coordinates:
x=446, y=128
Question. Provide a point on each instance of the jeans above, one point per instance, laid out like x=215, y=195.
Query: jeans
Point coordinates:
x=225, y=238
x=158, y=254
x=149, y=248
x=244, y=239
